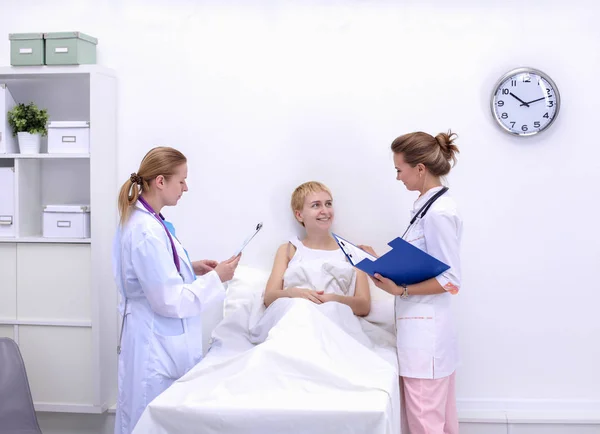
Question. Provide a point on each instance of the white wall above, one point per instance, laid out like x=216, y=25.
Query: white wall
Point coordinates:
x=262, y=96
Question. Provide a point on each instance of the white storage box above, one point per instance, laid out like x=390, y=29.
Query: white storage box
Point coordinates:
x=68, y=137
x=67, y=221
x=7, y=202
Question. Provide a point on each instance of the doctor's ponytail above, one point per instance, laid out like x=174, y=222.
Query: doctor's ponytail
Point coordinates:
x=161, y=160
x=437, y=153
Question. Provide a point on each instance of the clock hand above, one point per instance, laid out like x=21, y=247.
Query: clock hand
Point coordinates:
x=535, y=100
x=515, y=96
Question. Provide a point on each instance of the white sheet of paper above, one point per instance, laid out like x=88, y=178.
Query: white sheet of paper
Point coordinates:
x=355, y=253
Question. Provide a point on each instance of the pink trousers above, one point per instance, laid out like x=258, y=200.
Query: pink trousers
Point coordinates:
x=429, y=406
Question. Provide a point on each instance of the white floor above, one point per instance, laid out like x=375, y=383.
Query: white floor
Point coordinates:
x=60, y=423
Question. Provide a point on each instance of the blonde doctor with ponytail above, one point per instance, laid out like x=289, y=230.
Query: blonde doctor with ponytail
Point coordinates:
x=162, y=292
x=426, y=338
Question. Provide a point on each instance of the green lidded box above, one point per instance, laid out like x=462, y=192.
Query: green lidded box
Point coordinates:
x=70, y=48
x=26, y=49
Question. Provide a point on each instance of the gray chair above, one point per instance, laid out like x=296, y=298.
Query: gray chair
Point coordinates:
x=17, y=414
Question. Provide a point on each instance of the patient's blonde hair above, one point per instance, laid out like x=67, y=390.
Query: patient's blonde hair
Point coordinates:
x=303, y=190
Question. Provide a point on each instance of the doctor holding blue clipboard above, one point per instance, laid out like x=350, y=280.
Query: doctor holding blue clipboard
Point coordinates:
x=426, y=338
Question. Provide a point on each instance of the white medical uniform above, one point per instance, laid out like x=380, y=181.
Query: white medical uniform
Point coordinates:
x=162, y=335
x=426, y=336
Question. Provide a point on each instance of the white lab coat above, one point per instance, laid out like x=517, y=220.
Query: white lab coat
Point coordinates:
x=162, y=335
x=426, y=336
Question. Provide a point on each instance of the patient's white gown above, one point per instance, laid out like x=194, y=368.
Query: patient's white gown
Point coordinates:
x=320, y=270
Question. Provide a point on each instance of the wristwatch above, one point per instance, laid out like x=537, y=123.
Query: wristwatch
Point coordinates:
x=404, y=293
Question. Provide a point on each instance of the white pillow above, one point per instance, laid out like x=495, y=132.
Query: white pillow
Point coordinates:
x=378, y=293
x=247, y=284
x=382, y=308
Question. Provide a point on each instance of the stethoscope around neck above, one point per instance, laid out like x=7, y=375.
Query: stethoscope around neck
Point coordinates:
x=176, y=261
x=423, y=210
x=160, y=218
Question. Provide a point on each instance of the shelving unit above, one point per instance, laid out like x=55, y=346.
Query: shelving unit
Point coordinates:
x=57, y=296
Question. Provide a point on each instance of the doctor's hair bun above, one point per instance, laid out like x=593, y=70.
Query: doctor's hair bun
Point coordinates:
x=446, y=142
x=435, y=153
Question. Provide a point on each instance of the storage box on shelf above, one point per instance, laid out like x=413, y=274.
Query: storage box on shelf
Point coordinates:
x=68, y=137
x=70, y=48
x=67, y=221
x=58, y=48
x=57, y=294
x=27, y=49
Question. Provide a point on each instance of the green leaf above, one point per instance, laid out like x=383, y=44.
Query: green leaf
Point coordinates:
x=28, y=118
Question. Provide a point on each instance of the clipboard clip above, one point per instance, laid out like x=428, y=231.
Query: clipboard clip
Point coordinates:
x=256, y=230
x=354, y=253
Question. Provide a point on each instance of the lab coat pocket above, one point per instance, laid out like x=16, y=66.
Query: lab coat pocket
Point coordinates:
x=415, y=326
x=170, y=354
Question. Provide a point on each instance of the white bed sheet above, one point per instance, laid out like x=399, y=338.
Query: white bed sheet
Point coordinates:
x=317, y=369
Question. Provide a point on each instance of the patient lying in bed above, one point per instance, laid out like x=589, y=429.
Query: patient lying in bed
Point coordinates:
x=301, y=360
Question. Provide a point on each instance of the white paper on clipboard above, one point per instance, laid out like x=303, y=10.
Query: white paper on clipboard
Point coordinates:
x=258, y=228
x=354, y=253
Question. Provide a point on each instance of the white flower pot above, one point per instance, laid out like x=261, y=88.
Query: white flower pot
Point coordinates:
x=29, y=143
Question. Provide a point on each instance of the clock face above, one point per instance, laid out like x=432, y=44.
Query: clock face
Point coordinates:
x=525, y=102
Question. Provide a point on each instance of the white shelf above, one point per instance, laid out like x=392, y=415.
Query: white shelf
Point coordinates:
x=49, y=71
x=46, y=240
x=63, y=314
x=69, y=408
x=43, y=156
x=47, y=322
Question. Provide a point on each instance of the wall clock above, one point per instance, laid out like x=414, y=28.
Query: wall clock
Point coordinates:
x=525, y=102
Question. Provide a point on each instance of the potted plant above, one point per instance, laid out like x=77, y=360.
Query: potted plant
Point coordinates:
x=28, y=122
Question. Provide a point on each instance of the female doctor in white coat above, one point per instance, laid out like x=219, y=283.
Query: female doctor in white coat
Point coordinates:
x=426, y=339
x=161, y=297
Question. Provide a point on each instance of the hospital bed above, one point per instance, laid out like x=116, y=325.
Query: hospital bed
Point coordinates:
x=317, y=370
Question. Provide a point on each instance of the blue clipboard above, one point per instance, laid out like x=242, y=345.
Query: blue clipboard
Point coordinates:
x=405, y=264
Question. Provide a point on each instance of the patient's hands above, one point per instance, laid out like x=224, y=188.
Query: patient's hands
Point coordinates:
x=305, y=293
x=328, y=297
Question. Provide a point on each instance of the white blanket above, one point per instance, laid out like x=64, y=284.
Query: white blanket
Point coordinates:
x=294, y=368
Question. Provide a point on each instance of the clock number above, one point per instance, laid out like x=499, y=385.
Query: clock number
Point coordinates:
x=504, y=115
x=524, y=128
x=505, y=91
x=513, y=83
x=546, y=116
x=500, y=103
x=512, y=124
x=548, y=91
x=550, y=104
x=536, y=124
x=526, y=79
